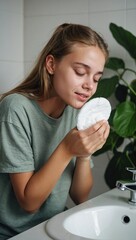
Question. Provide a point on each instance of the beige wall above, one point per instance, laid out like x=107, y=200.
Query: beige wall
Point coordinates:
x=11, y=43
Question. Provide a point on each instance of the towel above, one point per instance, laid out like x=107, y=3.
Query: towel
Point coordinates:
x=93, y=111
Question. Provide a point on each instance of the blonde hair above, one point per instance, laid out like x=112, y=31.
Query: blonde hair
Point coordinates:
x=37, y=84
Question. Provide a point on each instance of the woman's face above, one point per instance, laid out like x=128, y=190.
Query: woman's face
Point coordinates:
x=76, y=75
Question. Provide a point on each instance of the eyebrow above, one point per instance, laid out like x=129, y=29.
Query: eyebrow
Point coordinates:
x=87, y=66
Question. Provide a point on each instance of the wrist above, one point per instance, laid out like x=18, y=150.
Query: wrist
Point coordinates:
x=84, y=158
x=64, y=148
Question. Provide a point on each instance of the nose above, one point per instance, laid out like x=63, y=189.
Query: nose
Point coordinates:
x=88, y=84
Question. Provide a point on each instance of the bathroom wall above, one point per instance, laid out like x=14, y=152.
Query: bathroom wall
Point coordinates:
x=41, y=18
x=25, y=26
x=11, y=43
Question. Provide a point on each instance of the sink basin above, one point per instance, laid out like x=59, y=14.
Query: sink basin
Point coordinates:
x=93, y=221
x=107, y=222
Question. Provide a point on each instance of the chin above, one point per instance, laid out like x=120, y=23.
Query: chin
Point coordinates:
x=78, y=105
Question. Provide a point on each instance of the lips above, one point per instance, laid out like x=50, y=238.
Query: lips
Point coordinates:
x=82, y=96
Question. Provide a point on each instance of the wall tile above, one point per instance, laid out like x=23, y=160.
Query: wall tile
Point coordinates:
x=130, y=20
x=130, y=26
x=100, y=164
x=28, y=65
x=11, y=37
x=106, y=5
x=100, y=22
x=53, y=7
x=10, y=74
x=131, y=4
x=38, y=31
x=11, y=6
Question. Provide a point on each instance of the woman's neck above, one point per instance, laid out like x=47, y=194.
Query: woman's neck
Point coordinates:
x=53, y=106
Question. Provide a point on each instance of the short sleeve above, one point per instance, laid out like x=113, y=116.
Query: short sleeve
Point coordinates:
x=15, y=149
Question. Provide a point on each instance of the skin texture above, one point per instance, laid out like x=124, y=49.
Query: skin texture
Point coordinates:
x=75, y=79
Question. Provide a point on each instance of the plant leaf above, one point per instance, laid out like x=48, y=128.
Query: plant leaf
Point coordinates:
x=116, y=169
x=124, y=120
x=115, y=63
x=121, y=92
x=132, y=95
x=124, y=38
x=131, y=151
x=106, y=87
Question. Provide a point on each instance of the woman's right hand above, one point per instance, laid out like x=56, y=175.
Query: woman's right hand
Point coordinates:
x=86, y=142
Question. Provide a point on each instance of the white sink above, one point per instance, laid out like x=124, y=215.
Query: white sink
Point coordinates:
x=107, y=217
x=107, y=222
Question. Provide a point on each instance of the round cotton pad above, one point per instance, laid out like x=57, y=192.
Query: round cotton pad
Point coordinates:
x=93, y=111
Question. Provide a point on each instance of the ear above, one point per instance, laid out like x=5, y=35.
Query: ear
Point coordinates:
x=50, y=64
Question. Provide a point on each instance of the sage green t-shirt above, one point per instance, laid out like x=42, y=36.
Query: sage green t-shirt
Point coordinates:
x=27, y=139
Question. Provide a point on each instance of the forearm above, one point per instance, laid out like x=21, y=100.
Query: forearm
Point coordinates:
x=82, y=181
x=32, y=191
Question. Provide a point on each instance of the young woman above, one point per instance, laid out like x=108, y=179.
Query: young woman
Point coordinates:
x=43, y=157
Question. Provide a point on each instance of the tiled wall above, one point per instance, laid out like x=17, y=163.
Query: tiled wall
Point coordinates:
x=40, y=19
x=11, y=43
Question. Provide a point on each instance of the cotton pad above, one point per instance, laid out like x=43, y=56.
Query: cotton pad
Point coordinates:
x=93, y=111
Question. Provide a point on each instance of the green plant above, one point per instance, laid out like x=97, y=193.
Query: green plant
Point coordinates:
x=122, y=138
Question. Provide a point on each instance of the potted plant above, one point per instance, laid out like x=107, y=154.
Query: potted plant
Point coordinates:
x=122, y=138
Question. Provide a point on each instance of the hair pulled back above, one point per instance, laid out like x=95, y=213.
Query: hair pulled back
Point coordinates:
x=37, y=84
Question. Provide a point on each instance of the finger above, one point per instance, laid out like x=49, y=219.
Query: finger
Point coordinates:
x=94, y=128
x=99, y=137
x=107, y=131
x=104, y=132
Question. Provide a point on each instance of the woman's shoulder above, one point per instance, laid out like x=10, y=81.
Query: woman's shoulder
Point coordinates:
x=14, y=105
x=13, y=100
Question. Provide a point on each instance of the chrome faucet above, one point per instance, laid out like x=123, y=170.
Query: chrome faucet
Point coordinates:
x=129, y=185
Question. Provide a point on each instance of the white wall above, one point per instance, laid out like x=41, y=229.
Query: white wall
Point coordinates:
x=40, y=19
x=11, y=43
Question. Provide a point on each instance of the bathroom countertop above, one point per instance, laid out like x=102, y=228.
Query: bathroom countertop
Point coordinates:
x=36, y=233
x=39, y=233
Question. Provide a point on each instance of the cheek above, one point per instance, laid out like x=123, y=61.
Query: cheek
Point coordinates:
x=60, y=85
x=95, y=88
x=65, y=82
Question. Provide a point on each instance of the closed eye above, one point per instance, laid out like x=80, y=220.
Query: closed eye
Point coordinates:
x=80, y=73
x=97, y=78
